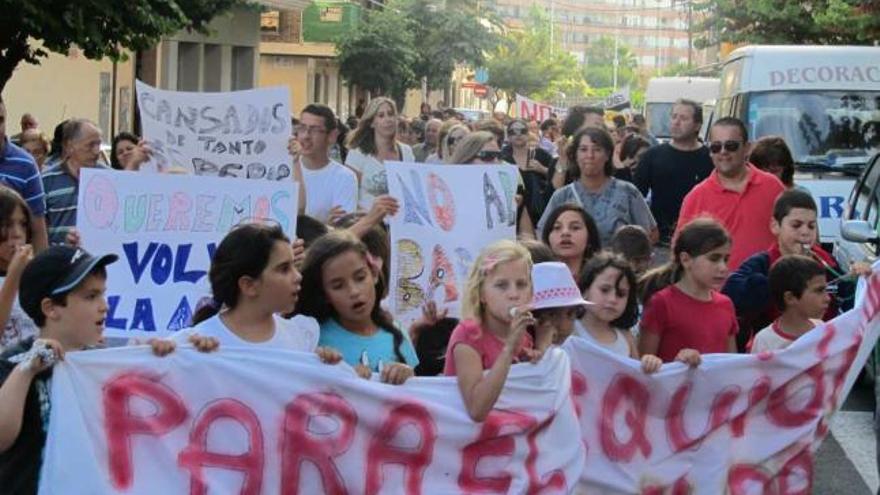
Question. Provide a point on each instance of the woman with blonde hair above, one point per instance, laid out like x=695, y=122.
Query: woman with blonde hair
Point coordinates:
x=451, y=132
x=372, y=143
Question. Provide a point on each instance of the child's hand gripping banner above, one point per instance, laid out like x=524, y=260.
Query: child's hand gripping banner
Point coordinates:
x=244, y=422
x=737, y=424
x=240, y=134
x=165, y=229
x=448, y=213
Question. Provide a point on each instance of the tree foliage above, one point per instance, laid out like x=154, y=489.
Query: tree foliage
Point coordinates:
x=599, y=64
x=396, y=46
x=531, y=63
x=100, y=28
x=855, y=22
x=379, y=56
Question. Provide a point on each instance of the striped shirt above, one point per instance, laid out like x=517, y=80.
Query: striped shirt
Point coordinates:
x=19, y=171
x=62, y=190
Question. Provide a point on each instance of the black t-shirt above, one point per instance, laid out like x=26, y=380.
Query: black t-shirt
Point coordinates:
x=537, y=186
x=20, y=464
x=669, y=174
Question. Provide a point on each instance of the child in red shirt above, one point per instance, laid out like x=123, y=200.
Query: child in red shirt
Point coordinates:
x=685, y=314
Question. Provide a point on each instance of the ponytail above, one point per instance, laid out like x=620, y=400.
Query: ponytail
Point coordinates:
x=697, y=238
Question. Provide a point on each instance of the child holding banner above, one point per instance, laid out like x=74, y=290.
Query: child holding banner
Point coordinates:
x=798, y=289
x=609, y=282
x=685, y=314
x=254, y=280
x=492, y=334
x=345, y=285
x=15, y=253
x=62, y=290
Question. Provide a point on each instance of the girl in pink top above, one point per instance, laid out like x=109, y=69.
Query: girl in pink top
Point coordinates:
x=492, y=334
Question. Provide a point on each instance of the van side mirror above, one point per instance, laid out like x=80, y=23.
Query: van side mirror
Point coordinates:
x=859, y=231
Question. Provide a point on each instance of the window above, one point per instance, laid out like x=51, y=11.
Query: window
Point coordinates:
x=242, y=67
x=269, y=22
x=188, y=55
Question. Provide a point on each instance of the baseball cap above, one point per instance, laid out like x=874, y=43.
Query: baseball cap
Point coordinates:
x=54, y=272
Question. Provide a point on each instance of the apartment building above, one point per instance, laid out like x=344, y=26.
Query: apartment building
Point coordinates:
x=655, y=30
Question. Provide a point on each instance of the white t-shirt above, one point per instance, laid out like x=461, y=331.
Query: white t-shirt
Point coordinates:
x=19, y=326
x=374, y=181
x=332, y=185
x=299, y=333
x=772, y=338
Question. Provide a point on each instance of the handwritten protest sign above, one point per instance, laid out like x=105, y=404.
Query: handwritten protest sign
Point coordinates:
x=736, y=425
x=529, y=109
x=739, y=424
x=447, y=214
x=232, y=134
x=276, y=421
x=165, y=229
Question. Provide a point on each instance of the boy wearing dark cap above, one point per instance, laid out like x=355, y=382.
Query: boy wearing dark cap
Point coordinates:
x=62, y=290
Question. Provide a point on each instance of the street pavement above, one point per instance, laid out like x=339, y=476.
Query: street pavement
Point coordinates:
x=847, y=460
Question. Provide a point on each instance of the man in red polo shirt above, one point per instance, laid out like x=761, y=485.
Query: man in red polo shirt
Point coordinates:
x=736, y=194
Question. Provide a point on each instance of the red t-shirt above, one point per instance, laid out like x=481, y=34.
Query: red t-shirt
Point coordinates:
x=483, y=341
x=745, y=215
x=683, y=322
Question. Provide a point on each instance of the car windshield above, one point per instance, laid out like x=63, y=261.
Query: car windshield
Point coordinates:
x=827, y=129
x=659, y=115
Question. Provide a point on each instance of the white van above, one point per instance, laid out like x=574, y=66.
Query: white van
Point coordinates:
x=823, y=100
x=662, y=92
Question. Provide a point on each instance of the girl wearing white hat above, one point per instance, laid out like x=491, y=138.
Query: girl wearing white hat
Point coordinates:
x=557, y=303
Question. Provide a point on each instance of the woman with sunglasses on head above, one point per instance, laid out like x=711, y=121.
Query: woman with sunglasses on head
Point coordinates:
x=372, y=143
x=444, y=141
x=481, y=148
x=611, y=202
x=534, y=166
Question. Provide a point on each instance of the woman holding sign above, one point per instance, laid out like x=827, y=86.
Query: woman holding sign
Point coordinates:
x=372, y=142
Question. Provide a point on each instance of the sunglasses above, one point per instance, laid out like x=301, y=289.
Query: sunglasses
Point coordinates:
x=730, y=146
x=488, y=155
x=517, y=131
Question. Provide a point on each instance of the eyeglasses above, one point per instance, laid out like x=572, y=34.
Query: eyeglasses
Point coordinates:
x=488, y=155
x=310, y=130
x=517, y=131
x=730, y=146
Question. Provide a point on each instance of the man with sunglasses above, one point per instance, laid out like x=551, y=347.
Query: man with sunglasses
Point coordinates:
x=669, y=171
x=737, y=194
x=327, y=188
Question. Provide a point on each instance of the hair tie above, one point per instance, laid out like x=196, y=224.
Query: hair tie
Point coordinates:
x=489, y=263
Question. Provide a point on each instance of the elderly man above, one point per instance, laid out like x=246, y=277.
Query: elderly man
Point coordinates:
x=736, y=193
x=429, y=146
x=27, y=122
x=81, y=145
x=18, y=171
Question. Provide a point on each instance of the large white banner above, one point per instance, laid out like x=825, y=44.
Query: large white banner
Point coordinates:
x=280, y=422
x=448, y=213
x=230, y=134
x=529, y=109
x=165, y=229
x=244, y=422
x=737, y=424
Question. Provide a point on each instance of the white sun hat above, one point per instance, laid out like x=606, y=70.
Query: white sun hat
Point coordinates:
x=555, y=287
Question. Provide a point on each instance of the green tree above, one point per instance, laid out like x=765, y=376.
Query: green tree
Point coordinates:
x=379, y=56
x=530, y=63
x=855, y=22
x=100, y=28
x=599, y=64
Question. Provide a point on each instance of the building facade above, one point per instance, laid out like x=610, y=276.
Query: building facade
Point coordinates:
x=655, y=30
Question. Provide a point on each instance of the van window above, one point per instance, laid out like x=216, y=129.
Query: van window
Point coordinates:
x=832, y=128
x=730, y=78
x=866, y=199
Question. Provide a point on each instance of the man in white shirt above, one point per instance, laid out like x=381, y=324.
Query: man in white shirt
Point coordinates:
x=328, y=187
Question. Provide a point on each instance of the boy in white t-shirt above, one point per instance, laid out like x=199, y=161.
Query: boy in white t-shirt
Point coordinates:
x=328, y=188
x=798, y=288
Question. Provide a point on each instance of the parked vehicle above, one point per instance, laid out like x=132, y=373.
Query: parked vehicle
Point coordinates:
x=662, y=92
